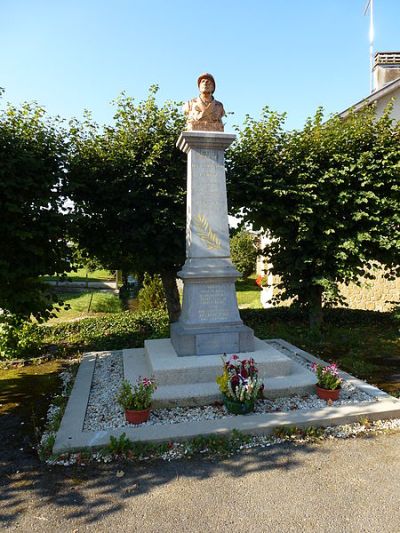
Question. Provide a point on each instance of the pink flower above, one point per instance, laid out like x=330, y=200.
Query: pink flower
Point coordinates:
x=146, y=382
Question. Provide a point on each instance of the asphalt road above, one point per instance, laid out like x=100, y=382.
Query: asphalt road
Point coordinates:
x=337, y=485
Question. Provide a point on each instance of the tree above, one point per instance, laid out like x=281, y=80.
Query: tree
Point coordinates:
x=127, y=183
x=243, y=252
x=82, y=259
x=152, y=294
x=33, y=227
x=328, y=194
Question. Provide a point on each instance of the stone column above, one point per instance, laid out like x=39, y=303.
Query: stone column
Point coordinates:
x=210, y=322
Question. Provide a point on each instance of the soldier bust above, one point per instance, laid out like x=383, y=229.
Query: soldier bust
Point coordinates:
x=204, y=113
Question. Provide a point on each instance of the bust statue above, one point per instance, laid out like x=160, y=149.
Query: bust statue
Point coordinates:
x=204, y=113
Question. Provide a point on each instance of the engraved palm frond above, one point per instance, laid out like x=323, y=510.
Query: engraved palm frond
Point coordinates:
x=205, y=233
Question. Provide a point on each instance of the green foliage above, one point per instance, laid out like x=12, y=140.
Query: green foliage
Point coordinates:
x=33, y=228
x=364, y=421
x=329, y=195
x=152, y=295
x=18, y=338
x=216, y=445
x=46, y=447
x=313, y=433
x=123, y=447
x=244, y=253
x=127, y=182
x=111, y=332
x=286, y=432
x=361, y=367
x=82, y=259
x=294, y=432
x=119, y=445
x=137, y=397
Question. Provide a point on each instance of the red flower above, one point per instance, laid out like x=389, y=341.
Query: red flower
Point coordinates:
x=235, y=380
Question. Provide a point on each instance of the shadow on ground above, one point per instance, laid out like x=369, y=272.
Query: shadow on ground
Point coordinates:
x=93, y=492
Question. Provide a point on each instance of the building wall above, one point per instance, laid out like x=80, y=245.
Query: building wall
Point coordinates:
x=384, y=101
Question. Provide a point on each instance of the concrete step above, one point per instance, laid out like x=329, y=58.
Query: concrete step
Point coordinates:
x=300, y=382
x=135, y=364
x=193, y=381
x=170, y=369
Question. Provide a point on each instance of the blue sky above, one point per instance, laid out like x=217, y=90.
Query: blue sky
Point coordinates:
x=292, y=55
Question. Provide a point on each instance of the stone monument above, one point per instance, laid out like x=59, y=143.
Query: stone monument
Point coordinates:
x=210, y=322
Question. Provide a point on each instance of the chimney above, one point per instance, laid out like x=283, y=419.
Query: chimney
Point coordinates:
x=386, y=68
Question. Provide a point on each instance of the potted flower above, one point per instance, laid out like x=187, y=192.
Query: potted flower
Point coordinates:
x=239, y=385
x=136, y=400
x=329, y=383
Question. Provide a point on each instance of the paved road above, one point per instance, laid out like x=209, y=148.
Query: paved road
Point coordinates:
x=336, y=486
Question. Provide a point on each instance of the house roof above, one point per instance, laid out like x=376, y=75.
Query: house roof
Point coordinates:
x=375, y=96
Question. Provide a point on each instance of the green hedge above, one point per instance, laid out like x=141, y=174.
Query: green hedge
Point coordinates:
x=111, y=332
x=338, y=317
x=130, y=329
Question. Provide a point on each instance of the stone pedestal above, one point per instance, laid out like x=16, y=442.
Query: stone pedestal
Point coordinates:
x=210, y=322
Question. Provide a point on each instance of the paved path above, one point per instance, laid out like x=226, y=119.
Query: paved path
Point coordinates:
x=335, y=486
x=79, y=285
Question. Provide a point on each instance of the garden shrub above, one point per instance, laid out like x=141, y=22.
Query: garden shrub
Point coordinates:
x=130, y=329
x=111, y=332
x=18, y=338
x=152, y=295
x=244, y=253
x=337, y=316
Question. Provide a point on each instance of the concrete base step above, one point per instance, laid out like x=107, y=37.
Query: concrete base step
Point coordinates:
x=300, y=382
x=71, y=437
x=190, y=380
x=170, y=369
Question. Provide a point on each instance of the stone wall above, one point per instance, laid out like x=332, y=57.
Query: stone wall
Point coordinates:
x=372, y=295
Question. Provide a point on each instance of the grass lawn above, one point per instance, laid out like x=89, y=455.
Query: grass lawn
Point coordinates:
x=80, y=275
x=248, y=293
x=84, y=304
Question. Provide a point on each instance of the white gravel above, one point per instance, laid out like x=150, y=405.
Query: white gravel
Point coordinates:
x=103, y=411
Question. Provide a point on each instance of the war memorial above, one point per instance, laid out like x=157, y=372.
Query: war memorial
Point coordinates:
x=185, y=365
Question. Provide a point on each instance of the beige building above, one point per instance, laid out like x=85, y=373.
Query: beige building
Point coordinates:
x=375, y=294
x=386, y=76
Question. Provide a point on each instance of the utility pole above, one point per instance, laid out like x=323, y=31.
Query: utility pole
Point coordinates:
x=370, y=6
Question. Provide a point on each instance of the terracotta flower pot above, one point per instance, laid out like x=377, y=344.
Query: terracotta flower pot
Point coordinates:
x=239, y=408
x=327, y=394
x=137, y=417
